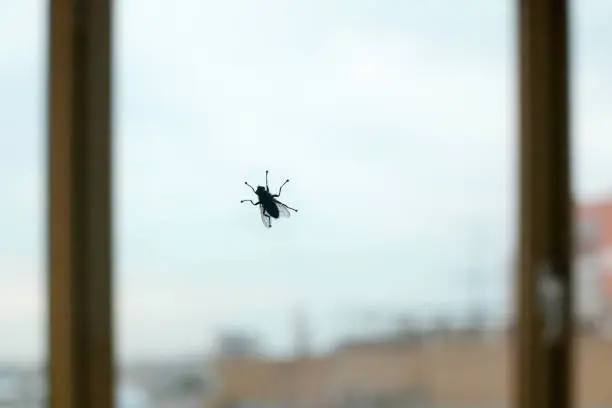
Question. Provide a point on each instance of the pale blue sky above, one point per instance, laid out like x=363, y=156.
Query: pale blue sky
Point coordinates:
x=394, y=120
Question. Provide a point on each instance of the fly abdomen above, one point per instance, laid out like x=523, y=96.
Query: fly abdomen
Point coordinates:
x=271, y=209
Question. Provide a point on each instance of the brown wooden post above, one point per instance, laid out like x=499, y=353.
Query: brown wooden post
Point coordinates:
x=79, y=207
x=543, y=375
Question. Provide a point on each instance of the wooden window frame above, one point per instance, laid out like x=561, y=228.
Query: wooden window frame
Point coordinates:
x=543, y=377
x=81, y=347
x=81, y=368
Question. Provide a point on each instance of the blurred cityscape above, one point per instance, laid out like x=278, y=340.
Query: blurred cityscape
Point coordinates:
x=440, y=362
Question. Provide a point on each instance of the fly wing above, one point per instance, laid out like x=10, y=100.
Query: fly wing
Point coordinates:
x=283, y=211
x=267, y=222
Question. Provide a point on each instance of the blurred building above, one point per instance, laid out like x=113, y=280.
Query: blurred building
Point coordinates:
x=456, y=369
x=265, y=382
x=237, y=343
x=10, y=391
x=22, y=386
x=593, y=264
x=385, y=372
x=180, y=382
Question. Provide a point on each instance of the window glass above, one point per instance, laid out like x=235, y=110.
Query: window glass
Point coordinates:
x=591, y=125
x=395, y=124
x=22, y=196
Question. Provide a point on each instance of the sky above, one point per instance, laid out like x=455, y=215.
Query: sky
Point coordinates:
x=395, y=121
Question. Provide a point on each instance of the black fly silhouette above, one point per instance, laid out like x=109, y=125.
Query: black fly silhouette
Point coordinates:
x=269, y=206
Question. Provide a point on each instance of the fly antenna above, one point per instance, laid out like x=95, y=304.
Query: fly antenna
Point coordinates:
x=250, y=186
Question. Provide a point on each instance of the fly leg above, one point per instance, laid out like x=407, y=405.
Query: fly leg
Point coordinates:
x=288, y=206
x=280, y=189
x=267, y=188
x=244, y=201
x=250, y=186
x=265, y=214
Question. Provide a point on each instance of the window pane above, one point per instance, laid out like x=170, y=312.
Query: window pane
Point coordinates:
x=22, y=178
x=592, y=110
x=392, y=284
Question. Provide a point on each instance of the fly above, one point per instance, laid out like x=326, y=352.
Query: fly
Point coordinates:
x=269, y=206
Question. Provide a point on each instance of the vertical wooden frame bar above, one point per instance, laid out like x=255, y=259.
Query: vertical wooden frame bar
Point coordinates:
x=79, y=187
x=543, y=377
